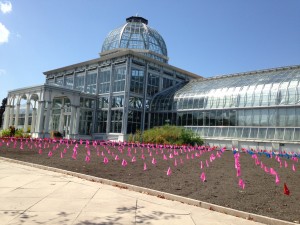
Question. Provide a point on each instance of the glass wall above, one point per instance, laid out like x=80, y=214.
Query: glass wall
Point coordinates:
x=104, y=81
x=137, y=81
x=119, y=79
x=91, y=81
x=257, y=105
x=59, y=81
x=153, y=84
x=116, y=121
x=87, y=107
x=79, y=81
x=69, y=81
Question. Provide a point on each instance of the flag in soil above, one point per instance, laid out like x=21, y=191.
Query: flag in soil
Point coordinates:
x=286, y=191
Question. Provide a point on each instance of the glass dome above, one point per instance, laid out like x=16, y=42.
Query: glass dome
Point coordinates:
x=137, y=35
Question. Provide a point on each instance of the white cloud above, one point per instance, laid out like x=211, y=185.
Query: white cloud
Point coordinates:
x=4, y=34
x=5, y=7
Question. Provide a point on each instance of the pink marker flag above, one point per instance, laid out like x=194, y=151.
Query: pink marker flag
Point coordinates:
x=74, y=155
x=257, y=161
x=241, y=183
x=50, y=153
x=40, y=151
x=261, y=165
x=145, y=166
x=124, y=162
x=133, y=159
x=201, y=165
x=61, y=155
x=87, y=159
x=266, y=169
x=175, y=162
x=272, y=171
x=238, y=172
x=207, y=165
x=117, y=157
x=277, y=179
x=154, y=161
x=202, y=177
x=105, y=160
x=65, y=151
x=143, y=157
x=285, y=164
x=293, y=168
x=169, y=172
x=165, y=157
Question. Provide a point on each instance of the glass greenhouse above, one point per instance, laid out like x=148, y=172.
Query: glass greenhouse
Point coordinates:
x=256, y=105
x=132, y=87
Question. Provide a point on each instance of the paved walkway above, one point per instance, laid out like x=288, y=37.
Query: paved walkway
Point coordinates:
x=34, y=196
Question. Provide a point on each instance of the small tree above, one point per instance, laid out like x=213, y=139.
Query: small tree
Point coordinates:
x=2, y=109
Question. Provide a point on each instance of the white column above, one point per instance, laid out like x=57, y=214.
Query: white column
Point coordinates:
x=41, y=117
x=72, y=119
x=11, y=115
x=17, y=116
x=77, y=121
x=26, y=116
x=6, y=117
x=33, y=120
x=48, y=115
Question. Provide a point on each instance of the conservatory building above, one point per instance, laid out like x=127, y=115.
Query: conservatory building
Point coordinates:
x=132, y=87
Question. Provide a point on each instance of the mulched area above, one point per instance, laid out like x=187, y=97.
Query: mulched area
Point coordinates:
x=155, y=167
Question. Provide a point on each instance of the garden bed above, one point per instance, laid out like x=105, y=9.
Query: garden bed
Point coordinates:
x=155, y=167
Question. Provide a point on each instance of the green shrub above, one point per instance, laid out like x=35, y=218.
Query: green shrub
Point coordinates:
x=19, y=133
x=26, y=135
x=5, y=133
x=130, y=138
x=171, y=135
x=189, y=137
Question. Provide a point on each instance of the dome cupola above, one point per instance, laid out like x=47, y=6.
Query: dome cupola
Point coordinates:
x=136, y=35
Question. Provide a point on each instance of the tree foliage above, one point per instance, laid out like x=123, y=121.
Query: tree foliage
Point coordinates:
x=2, y=109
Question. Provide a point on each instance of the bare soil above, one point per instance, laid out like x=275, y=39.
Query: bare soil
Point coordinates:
x=261, y=194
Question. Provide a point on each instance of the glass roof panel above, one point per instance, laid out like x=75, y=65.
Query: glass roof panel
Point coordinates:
x=136, y=34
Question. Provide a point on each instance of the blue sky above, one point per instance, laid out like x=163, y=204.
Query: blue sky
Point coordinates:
x=205, y=37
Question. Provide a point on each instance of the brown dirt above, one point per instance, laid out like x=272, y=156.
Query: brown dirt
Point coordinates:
x=261, y=194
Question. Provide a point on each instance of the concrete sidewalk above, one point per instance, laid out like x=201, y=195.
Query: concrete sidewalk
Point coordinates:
x=34, y=196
